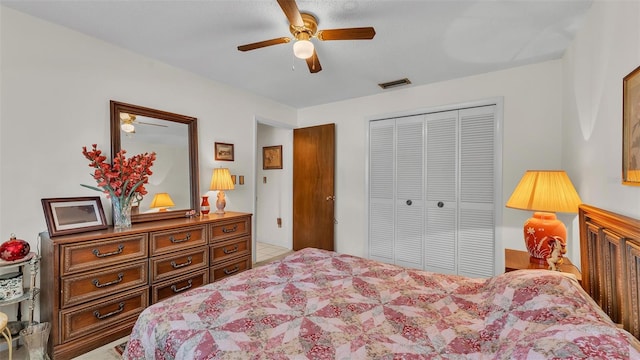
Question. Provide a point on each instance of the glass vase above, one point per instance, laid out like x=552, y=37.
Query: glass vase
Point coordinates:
x=35, y=337
x=121, y=213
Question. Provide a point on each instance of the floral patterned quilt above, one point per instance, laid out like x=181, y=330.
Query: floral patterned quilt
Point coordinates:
x=316, y=304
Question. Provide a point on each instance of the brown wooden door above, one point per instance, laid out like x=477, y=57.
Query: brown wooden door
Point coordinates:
x=313, y=187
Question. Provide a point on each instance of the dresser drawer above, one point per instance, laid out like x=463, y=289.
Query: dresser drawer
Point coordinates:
x=179, y=263
x=223, y=251
x=103, y=314
x=91, y=255
x=227, y=269
x=179, y=285
x=229, y=229
x=163, y=242
x=83, y=287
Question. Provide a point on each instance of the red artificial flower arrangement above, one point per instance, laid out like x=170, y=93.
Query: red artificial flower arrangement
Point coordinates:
x=125, y=178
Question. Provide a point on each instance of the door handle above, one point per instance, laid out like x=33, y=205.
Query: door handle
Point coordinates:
x=333, y=198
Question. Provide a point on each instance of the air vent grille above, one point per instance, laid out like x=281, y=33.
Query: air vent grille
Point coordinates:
x=395, y=83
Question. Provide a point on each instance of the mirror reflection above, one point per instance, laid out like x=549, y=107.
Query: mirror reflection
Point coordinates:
x=172, y=189
x=169, y=184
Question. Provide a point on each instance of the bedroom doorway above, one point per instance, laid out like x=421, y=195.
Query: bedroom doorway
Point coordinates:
x=273, y=204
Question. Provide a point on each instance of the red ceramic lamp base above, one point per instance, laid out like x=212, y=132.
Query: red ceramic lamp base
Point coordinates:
x=540, y=232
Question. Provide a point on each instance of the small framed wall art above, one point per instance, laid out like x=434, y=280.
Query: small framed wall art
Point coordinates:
x=73, y=215
x=272, y=157
x=631, y=128
x=224, y=152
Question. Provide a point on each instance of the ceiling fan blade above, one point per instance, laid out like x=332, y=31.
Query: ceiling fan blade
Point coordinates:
x=361, y=33
x=313, y=63
x=146, y=123
x=261, y=44
x=290, y=9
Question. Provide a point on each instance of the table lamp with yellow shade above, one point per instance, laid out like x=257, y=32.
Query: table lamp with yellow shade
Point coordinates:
x=221, y=181
x=545, y=192
x=161, y=201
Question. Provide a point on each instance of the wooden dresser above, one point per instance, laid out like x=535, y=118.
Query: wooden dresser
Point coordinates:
x=95, y=284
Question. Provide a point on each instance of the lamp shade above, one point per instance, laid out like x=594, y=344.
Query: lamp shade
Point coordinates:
x=221, y=180
x=545, y=190
x=303, y=49
x=162, y=201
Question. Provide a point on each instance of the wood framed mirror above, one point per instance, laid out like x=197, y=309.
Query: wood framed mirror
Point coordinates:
x=174, y=139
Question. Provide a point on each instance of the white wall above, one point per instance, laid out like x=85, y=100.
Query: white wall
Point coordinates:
x=605, y=50
x=532, y=137
x=274, y=198
x=56, y=87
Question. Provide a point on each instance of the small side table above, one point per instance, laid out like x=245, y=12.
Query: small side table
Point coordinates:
x=32, y=260
x=519, y=260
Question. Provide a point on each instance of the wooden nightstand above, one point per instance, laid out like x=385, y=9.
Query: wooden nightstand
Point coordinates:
x=519, y=260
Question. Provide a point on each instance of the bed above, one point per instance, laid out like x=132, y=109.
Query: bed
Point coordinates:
x=316, y=304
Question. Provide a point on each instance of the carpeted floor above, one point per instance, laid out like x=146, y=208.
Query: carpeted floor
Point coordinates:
x=120, y=347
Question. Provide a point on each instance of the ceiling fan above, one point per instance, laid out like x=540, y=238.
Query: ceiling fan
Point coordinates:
x=128, y=121
x=304, y=26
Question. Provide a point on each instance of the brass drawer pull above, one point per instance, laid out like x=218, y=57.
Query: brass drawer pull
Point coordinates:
x=97, y=284
x=178, y=266
x=235, y=249
x=176, y=241
x=97, y=253
x=234, y=270
x=176, y=290
x=114, y=312
x=228, y=231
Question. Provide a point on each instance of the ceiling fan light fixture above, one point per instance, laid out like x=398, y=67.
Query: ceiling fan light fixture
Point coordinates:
x=127, y=127
x=303, y=49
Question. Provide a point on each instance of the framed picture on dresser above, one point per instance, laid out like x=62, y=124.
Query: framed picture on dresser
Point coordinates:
x=73, y=215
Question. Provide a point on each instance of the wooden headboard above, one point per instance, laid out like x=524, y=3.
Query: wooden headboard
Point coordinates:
x=610, y=264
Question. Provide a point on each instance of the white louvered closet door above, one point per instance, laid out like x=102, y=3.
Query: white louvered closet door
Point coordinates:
x=432, y=191
x=441, y=184
x=476, y=225
x=409, y=234
x=381, y=190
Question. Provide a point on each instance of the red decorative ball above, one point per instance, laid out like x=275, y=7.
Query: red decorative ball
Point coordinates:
x=14, y=249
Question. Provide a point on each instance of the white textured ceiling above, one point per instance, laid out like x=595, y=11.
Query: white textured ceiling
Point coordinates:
x=425, y=41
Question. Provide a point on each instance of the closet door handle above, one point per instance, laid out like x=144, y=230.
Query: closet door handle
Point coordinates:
x=409, y=202
x=440, y=204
